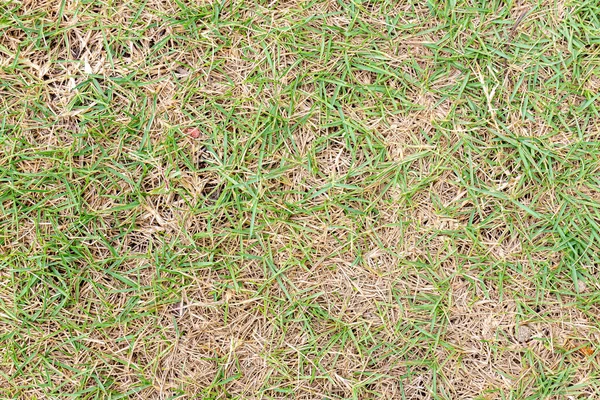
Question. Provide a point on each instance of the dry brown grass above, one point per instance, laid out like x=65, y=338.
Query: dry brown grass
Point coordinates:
x=378, y=206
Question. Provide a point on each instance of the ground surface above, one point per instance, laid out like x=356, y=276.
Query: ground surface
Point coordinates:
x=304, y=199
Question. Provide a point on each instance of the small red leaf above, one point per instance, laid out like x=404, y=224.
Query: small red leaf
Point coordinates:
x=586, y=351
x=194, y=133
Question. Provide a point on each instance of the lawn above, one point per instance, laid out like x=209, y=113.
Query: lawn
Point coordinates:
x=318, y=199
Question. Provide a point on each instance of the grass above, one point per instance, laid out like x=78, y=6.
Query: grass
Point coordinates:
x=386, y=200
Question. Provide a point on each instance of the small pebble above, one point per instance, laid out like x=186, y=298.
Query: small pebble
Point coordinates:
x=523, y=333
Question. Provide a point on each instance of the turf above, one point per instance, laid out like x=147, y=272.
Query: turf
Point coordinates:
x=299, y=199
